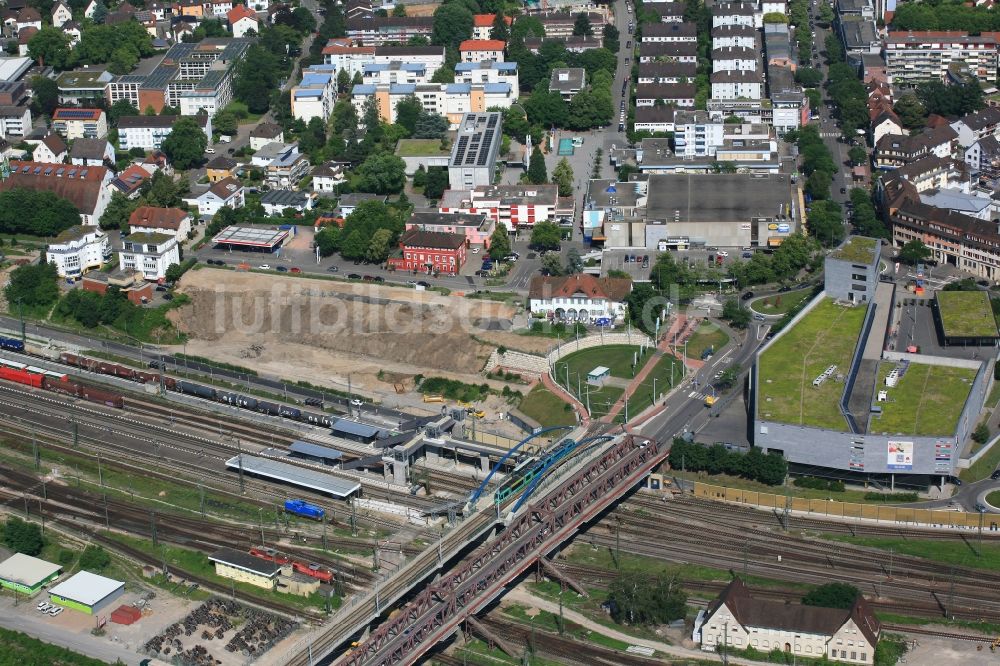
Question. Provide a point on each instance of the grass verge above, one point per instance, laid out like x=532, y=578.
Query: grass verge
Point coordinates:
x=950, y=552
x=546, y=407
x=706, y=335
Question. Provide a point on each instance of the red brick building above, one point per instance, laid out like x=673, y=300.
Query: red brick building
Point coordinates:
x=430, y=252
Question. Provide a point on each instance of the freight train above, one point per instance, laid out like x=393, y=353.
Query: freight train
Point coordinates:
x=316, y=571
x=15, y=371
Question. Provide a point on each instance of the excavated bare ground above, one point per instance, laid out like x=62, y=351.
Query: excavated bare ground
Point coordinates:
x=321, y=330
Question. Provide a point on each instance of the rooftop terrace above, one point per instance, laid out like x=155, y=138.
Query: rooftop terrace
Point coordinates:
x=857, y=249
x=826, y=336
x=966, y=314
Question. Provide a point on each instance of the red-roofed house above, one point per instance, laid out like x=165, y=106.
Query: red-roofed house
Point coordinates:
x=173, y=221
x=482, y=50
x=80, y=123
x=482, y=25
x=580, y=297
x=430, y=252
x=85, y=187
x=341, y=52
x=130, y=180
x=242, y=20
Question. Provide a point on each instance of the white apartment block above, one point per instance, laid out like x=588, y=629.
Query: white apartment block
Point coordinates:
x=514, y=206
x=735, y=58
x=78, y=249
x=487, y=72
x=149, y=253
x=481, y=50
x=914, y=57
x=80, y=123
x=15, y=121
x=148, y=132
x=737, y=84
x=375, y=74
x=315, y=96
x=345, y=56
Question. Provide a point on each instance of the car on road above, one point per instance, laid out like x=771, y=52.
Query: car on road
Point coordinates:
x=357, y=402
x=995, y=475
x=747, y=296
x=424, y=284
x=475, y=250
x=368, y=278
x=210, y=151
x=264, y=267
x=333, y=269
x=629, y=44
x=759, y=317
x=353, y=276
x=621, y=127
x=282, y=269
x=980, y=507
x=511, y=258
x=843, y=190
x=723, y=253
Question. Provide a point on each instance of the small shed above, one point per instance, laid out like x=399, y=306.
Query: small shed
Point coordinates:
x=597, y=376
x=126, y=615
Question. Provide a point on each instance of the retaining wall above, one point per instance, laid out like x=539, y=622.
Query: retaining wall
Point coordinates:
x=600, y=340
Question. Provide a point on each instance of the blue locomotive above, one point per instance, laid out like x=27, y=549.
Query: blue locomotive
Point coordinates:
x=12, y=344
x=304, y=509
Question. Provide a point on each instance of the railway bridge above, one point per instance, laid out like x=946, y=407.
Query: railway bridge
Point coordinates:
x=582, y=489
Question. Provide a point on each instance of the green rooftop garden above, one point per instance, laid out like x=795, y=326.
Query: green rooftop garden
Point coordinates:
x=857, y=249
x=966, y=314
x=927, y=400
x=420, y=148
x=825, y=336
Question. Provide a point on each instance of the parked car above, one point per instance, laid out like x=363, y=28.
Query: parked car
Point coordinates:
x=746, y=255
x=378, y=278
x=42, y=604
x=160, y=287
x=168, y=297
x=264, y=267
x=55, y=611
x=723, y=253
x=333, y=269
x=483, y=273
x=353, y=276
x=424, y=284
x=747, y=296
x=368, y=278
x=357, y=402
x=294, y=269
x=475, y=250
x=282, y=269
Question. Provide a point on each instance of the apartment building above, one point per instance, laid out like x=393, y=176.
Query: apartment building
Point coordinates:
x=353, y=59
x=895, y=150
x=666, y=72
x=80, y=123
x=84, y=187
x=192, y=77
x=380, y=31
x=451, y=100
x=670, y=32
x=15, y=120
x=287, y=168
x=149, y=253
x=482, y=25
x=731, y=58
x=316, y=94
x=514, y=206
x=559, y=25
x=77, y=250
x=148, y=132
x=668, y=52
x=737, y=84
x=672, y=94
x=173, y=221
x=740, y=36
x=481, y=50
x=487, y=72
x=395, y=72
x=977, y=125
x=567, y=81
x=915, y=56
x=430, y=252
x=734, y=13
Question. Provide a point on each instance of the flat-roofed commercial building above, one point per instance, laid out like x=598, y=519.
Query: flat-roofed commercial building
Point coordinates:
x=26, y=574
x=87, y=592
x=474, y=154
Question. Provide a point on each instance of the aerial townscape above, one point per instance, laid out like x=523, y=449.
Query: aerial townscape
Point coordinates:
x=499, y=332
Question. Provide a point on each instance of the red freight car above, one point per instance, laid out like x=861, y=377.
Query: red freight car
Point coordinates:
x=21, y=376
x=271, y=555
x=84, y=391
x=314, y=570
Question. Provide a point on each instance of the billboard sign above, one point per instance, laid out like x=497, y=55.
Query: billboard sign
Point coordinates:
x=784, y=228
x=900, y=456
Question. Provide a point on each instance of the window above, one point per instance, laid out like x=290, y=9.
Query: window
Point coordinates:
x=864, y=657
x=854, y=655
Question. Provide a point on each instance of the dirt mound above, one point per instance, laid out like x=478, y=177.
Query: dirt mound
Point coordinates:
x=300, y=321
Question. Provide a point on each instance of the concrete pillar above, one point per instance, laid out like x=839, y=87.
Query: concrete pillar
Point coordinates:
x=400, y=472
x=484, y=463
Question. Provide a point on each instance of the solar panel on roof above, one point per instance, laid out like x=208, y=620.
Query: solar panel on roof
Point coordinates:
x=76, y=114
x=492, y=122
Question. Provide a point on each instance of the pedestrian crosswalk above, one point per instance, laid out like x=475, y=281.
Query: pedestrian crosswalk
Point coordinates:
x=698, y=395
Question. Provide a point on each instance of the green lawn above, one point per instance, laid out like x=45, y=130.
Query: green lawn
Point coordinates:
x=780, y=304
x=602, y=400
x=706, y=335
x=950, y=552
x=857, y=249
x=420, y=148
x=993, y=498
x=826, y=336
x=643, y=396
x=22, y=649
x=927, y=401
x=618, y=358
x=983, y=467
x=546, y=407
x=966, y=314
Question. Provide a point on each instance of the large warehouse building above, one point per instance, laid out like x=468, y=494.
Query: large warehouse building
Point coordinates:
x=835, y=396
x=26, y=574
x=87, y=592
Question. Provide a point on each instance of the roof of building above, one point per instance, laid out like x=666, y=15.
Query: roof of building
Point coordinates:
x=398, y=52
x=738, y=30
x=295, y=474
x=157, y=218
x=416, y=237
x=477, y=141
x=859, y=34
x=379, y=23
x=26, y=570
x=266, y=131
x=567, y=78
x=735, y=53
x=76, y=232
x=222, y=163
x=314, y=450
x=717, y=197
x=127, y=122
x=544, y=287
x=355, y=198
x=55, y=143
x=148, y=238
x=770, y=614
x=81, y=185
x=671, y=69
x=925, y=37
x=86, y=588
x=77, y=114
x=666, y=91
x=89, y=149
x=434, y=218
x=668, y=49
x=286, y=198
x=245, y=561
x=239, y=12
x=858, y=249
x=131, y=178
x=654, y=114
x=482, y=45
x=980, y=120
x=916, y=143
x=225, y=188
x=673, y=29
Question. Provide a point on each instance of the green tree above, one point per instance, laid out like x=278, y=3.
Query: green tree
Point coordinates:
x=39, y=213
x=23, y=537
x=809, y=77
x=914, y=252
x=639, y=599
x=117, y=213
x=32, y=285
x=378, y=247
x=430, y=126
x=500, y=30
x=734, y=312
x=551, y=265
x=46, y=95
x=825, y=14
x=536, y=168
x=399, y=10
x=950, y=100
x=328, y=240
x=256, y=77
x=452, y=25
x=50, y=46
x=343, y=82
x=408, y=111
x=437, y=182
x=581, y=26
x=122, y=107
x=499, y=242
x=225, y=122
x=728, y=378
x=775, y=17
x=826, y=222
x=382, y=173
x=355, y=245
x=162, y=191
x=611, y=38
x=186, y=143
x=574, y=263
x=562, y=176
x=857, y=155
x=981, y=434
x=173, y=273
x=546, y=236
x=94, y=558
x=910, y=110
x=818, y=184
x=832, y=595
